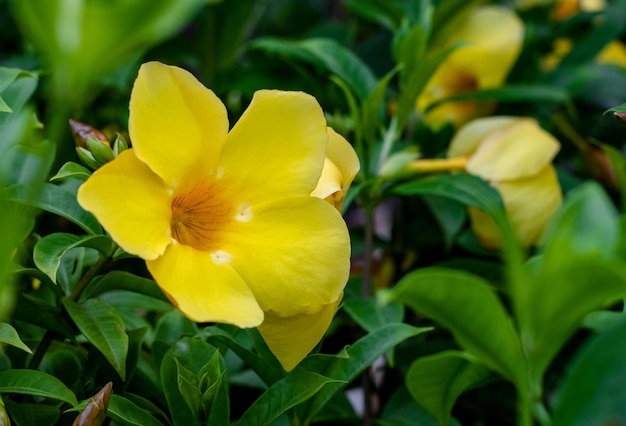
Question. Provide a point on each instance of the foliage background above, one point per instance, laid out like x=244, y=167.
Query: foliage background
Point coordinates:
x=434, y=328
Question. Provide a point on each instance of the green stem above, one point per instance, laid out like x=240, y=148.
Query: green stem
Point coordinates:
x=41, y=350
x=366, y=291
x=78, y=288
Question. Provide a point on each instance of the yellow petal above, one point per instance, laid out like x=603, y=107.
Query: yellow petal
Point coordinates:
x=132, y=203
x=340, y=168
x=294, y=254
x=470, y=136
x=204, y=290
x=613, y=54
x=291, y=338
x=516, y=151
x=177, y=126
x=493, y=37
x=277, y=148
x=530, y=204
x=330, y=181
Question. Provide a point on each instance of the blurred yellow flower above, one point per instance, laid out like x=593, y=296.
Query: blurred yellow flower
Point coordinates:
x=224, y=219
x=514, y=155
x=493, y=37
x=613, y=53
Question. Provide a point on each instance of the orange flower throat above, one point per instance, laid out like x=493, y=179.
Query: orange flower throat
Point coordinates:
x=200, y=214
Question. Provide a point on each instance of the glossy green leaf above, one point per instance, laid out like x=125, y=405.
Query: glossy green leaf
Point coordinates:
x=402, y=410
x=36, y=383
x=436, y=381
x=55, y=200
x=370, y=314
x=283, y=395
x=586, y=226
x=328, y=54
x=122, y=280
x=346, y=366
x=213, y=380
x=71, y=170
x=192, y=354
x=50, y=249
x=9, y=336
x=469, y=307
x=100, y=323
x=592, y=392
x=126, y=412
x=188, y=388
x=35, y=311
x=28, y=414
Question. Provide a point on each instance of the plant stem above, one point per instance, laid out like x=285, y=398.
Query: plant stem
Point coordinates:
x=366, y=292
x=42, y=348
x=78, y=288
x=389, y=138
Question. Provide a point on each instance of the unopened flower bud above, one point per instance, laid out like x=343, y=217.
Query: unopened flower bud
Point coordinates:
x=101, y=153
x=82, y=131
x=119, y=145
x=95, y=412
x=621, y=116
x=86, y=158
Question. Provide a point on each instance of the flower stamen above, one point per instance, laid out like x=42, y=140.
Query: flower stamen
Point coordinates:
x=200, y=215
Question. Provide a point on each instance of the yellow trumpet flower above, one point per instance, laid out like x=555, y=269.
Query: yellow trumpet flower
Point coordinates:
x=225, y=219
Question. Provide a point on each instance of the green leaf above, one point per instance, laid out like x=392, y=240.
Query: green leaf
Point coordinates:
x=102, y=326
x=35, y=311
x=7, y=77
x=373, y=107
x=213, y=379
x=402, y=410
x=55, y=200
x=283, y=395
x=350, y=363
x=128, y=413
x=26, y=414
x=188, y=388
x=36, y=383
x=592, y=391
x=71, y=170
x=469, y=307
x=328, y=54
x=9, y=335
x=370, y=314
x=122, y=280
x=50, y=249
x=193, y=355
x=436, y=381
x=518, y=93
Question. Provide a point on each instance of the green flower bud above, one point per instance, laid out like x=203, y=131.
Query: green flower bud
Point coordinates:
x=101, y=152
x=86, y=158
x=120, y=145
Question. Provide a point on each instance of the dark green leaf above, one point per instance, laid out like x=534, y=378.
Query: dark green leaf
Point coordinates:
x=55, y=200
x=469, y=307
x=370, y=314
x=50, y=249
x=121, y=280
x=283, y=395
x=102, y=326
x=125, y=411
x=350, y=363
x=26, y=414
x=37, y=383
x=9, y=335
x=436, y=381
x=333, y=57
x=593, y=392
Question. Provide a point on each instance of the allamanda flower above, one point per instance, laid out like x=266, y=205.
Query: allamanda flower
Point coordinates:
x=493, y=37
x=224, y=219
x=514, y=155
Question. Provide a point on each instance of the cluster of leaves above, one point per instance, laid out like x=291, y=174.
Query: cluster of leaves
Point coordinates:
x=491, y=337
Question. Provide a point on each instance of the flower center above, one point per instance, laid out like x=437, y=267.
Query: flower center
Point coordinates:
x=200, y=215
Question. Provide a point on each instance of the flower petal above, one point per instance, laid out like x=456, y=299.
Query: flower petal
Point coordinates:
x=470, y=136
x=341, y=153
x=529, y=203
x=494, y=37
x=203, y=290
x=294, y=254
x=330, y=181
x=516, y=151
x=291, y=338
x=276, y=149
x=132, y=203
x=177, y=126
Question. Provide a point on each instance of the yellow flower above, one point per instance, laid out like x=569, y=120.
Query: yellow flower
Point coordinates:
x=493, y=37
x=224, y=219
x=340, y=167
x=613, y=53
x=515, y=156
